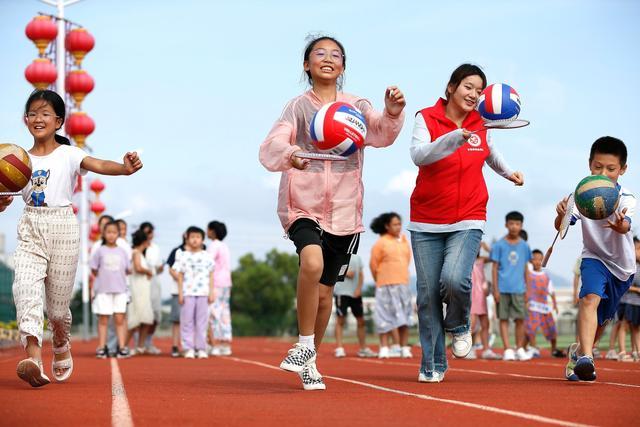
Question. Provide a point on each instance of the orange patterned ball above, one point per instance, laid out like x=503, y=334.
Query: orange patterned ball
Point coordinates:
x=15, y=168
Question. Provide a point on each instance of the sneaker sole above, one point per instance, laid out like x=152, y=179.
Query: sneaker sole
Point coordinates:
x=585, y=372
x=314, y=387
x=30, y=372
x=296, y=368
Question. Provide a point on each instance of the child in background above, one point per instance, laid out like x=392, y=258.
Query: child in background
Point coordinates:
x=195, y=292
x=608, y=258
x=629, y=314
x=479, y=313
x=110, y=266
x=539, y=289
x=220, y=332
x=510, y=256
x=174, y=317
x=389, y=263
x=140, y=312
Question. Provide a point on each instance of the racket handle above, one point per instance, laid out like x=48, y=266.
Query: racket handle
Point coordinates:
x=547, y=256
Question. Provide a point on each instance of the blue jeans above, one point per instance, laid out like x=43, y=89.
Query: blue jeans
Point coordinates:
x=443, y=265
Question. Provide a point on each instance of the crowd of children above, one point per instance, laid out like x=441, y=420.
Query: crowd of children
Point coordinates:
x=123, y=287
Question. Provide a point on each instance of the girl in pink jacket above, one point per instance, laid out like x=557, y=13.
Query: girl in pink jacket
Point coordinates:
x=320, y=202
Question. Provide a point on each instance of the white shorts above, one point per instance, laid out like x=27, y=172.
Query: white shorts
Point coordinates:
x=107, y=304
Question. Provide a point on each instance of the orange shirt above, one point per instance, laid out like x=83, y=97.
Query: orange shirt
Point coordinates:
x=390, y=258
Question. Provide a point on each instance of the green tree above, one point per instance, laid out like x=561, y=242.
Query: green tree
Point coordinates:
x=263, y=294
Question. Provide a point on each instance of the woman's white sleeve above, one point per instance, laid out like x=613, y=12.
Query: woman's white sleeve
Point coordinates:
x=424, y=152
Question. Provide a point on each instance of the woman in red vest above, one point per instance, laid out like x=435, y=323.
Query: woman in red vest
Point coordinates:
x=448, y=213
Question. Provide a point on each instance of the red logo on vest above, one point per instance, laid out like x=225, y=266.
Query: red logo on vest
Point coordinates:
x=474, y=140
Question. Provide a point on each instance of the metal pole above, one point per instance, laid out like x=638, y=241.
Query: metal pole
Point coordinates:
x=84, y=195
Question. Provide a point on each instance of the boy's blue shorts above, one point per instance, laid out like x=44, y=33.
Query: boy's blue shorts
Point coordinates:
x=597, y=279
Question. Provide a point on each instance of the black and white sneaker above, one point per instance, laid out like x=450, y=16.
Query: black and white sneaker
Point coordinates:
x=175, y=351
x=123, y=353
x=311, y=378
x=297, y=358
x=102, y=353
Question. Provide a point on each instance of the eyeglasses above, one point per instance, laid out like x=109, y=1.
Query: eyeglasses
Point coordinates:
x=335, y=55
x=32, y=116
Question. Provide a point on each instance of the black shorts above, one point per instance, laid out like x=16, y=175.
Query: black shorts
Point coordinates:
x=344, y=302
x=336, y=250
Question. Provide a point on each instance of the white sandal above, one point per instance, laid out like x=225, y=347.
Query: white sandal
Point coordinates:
x=62, y=364
x=30, y=370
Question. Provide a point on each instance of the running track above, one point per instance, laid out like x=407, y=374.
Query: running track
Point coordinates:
x=248, y=389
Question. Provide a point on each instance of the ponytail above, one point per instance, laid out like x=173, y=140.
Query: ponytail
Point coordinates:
x=62, y=140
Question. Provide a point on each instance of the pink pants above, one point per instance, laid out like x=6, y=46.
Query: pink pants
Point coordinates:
x=194, y=315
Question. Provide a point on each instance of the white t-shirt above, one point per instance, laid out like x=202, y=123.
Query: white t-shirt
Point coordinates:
x=616, y=251
x=53, y=177
x=196, y=267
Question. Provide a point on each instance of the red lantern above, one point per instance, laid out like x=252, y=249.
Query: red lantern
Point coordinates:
x=79, y=126
x=97, y=186
x=79, y=83
x=97, y=207
x=41, y=30
x=79, y=42
x=94, y=232
x=41, y=73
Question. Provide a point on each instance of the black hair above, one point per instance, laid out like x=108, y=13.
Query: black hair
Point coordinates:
x=514, y=216
x=536, y=251
x=524, y=235
x=112, y=222
x=219, y=229
x=138, y=238
x=105, y=216
x=609, y=145
x=635, y=239
x=120, y=221
x=313, y=40
x=146, y=227
x=379, y=223
x=462, y=72
x=194, y=229
x=56, y=102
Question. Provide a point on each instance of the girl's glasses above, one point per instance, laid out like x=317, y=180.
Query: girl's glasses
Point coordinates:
x=33, y=116
x=335, y=55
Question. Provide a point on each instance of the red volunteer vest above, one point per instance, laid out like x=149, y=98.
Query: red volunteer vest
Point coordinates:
x=452, y=189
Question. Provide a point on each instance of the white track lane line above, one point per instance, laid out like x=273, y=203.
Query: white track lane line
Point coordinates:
x=517, y=414
x=493, y=373
x=120, y=411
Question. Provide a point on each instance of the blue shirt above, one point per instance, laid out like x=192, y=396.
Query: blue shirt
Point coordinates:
x=512, y=260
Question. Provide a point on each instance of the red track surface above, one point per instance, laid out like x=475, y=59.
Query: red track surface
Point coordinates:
x=241, y=390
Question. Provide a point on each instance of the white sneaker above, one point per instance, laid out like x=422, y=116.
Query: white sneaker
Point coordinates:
x=202, y=354
x=461, y=344
x=611, y=355
x=215, y=351
x=437, y=377
x=311, y=378
x=395, y=351
x=472, y=355
x=383, y=353
x=225, y=350
x=509, y=354
x=489, y=354
x=339, y=352
x=522, y=355
x=406, y=352
x=367, y=353
x=492, y=339
x=190, y=354
x=152, y=349
x=533, y=352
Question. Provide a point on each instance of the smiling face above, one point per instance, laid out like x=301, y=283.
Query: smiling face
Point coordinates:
x=325, y=62
x=41, y=120
x=607, y=165
x=465, y=96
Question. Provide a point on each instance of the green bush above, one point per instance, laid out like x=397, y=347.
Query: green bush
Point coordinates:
x=263, y=295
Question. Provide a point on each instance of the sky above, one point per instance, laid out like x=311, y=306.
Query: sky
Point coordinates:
x=198, y=85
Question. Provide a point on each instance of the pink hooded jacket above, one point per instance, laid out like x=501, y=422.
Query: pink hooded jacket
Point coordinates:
x=327, y=192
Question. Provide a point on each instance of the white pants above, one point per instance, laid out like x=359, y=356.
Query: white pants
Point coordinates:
x=46, y=258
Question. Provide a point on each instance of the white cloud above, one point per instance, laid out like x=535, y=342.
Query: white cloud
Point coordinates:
x=402, y=183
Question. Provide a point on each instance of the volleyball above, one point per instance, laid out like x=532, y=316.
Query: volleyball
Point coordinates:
x=596, y=197
x=338, y=128
x=499, y=104
x=15, y=168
